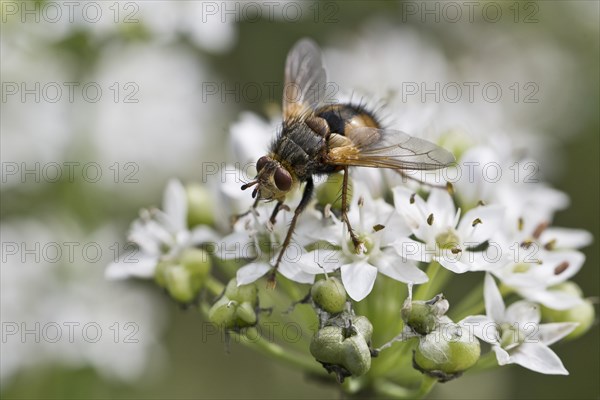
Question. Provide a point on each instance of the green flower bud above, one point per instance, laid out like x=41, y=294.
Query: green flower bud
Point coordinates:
x=329, y=294
x=363, y=326
x=246, y=315
x=223, y=313
x=582, y=313
x=160, y=273
x=197, y=262
x=242, y=293
x=329, y=192
x=200, y=206
x=178, y=282
x=357, y=355
x=422, y=316
x=446, y=353
x=326, y=345
x=570, y=288
x=345, y=355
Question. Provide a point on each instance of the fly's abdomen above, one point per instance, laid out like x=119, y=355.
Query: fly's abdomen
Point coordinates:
x=343, y=117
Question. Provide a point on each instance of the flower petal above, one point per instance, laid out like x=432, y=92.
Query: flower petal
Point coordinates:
x=413, y=250
x=523, y=313
x=483, y=327
x=202, y=234
x=472, y=233
x=555, y=299
x=320, y=260
x=553, y=332
x=538, y=357
x=236, y=246
x=494, y=304
x=294, y=273
x=251, y=272
x=394, y=266
x=440, y=204
x=137, y=265
x=501, y=355
x=358, y=279
x=453, y=264
x=566, y=238
x=175, y=204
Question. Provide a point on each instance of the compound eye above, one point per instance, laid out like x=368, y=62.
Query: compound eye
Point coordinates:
x=283, y=179
x=260, y=164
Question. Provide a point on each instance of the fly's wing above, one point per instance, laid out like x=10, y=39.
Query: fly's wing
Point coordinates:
x=386, y=148
x=305, y=79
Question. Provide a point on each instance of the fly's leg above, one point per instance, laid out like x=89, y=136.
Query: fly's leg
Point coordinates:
x=357, y=243
x=237, y=217
x=278, y=207
x=308, y=191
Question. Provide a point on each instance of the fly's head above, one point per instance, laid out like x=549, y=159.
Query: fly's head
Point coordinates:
x=273, y=181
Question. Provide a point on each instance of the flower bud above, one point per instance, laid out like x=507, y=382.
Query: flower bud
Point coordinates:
x=222, y=313
x=197, y=263
x=200, y=206
x=345, y=355
x=242, y=293
x=329, y=192
x=329, y=294
x=363, y=326
x=356, y=357
x=583, y=313
x=326, y=345
x=246, y=315
x=160, y=273
x=179, y=283
x=446, y=353
x=422, y=316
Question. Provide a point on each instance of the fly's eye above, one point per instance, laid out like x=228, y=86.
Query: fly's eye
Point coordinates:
x=260, y=164
x=283, y=179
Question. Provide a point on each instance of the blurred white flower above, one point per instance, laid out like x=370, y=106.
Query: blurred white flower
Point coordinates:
x=207, y=24
x=160, y=235
x=515, y=332
x=154, y=118
x=35, y=108
x=61, y=310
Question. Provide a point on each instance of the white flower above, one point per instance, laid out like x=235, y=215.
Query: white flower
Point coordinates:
x=377, y=225
x=160, y=235
x=436, y=223
x=536, y=258
x=256, y=239
x=515, y=332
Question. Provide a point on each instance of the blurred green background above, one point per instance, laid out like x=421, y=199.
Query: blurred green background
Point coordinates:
x=190, y=367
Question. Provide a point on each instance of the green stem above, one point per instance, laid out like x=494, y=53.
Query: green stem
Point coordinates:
x=253, y=339
x=473, y=303
x=214, y=286
x=423, y=292
x=390, y=389
x=276, y=351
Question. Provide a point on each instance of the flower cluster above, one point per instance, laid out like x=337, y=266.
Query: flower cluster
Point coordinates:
x=414, y=231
